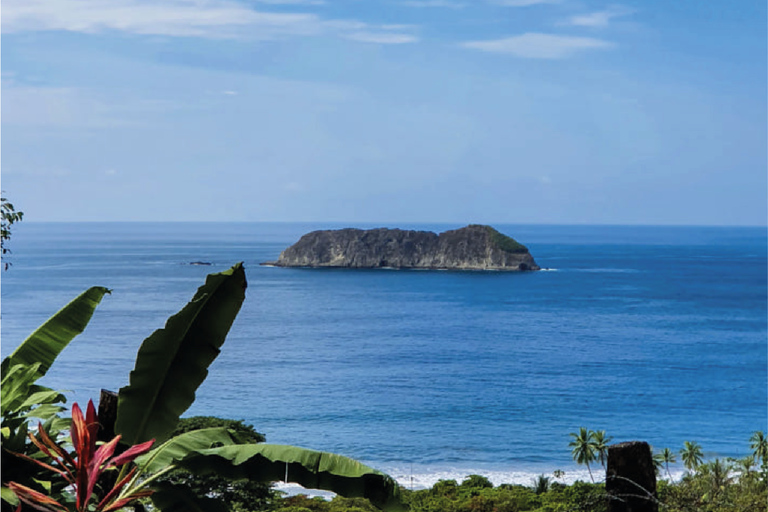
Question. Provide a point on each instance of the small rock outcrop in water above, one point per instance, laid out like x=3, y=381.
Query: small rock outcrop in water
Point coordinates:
x=630, y=478
x=474, y=247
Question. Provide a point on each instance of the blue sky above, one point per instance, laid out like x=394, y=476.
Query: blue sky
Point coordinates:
x=506, y=111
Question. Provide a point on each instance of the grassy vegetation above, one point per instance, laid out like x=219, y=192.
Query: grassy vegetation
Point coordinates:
x=504, y=242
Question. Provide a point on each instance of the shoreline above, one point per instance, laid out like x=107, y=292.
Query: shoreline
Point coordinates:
x=420, y=479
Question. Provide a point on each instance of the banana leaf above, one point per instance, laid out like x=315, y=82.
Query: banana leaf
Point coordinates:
x=181, y=445
x=45, y=344
x=308, y=468
x=15, y=386
x=173, y=361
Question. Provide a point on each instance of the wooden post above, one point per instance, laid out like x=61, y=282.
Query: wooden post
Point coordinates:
x=107, y=415
x=630, y=479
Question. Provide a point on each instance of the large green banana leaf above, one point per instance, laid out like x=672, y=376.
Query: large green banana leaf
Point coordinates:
x=173, y=361
x=308, y=468
x=45, y=344
x=181, y=445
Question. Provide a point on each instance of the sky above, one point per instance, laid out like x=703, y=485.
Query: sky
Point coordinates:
x=389, y=111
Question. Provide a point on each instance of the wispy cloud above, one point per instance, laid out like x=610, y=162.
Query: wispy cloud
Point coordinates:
x=434, y=3
x=539, y=46
x=185, y=18
x=381, y=37
x=597, y=19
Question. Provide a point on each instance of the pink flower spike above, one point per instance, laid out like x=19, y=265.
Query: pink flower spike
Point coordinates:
x=131, y=453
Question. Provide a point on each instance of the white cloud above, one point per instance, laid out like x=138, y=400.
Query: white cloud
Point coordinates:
x=110, y=172
x=208, y=18
x=190, y=18
x=539, y=46
x=381, y=37
x=597, y=19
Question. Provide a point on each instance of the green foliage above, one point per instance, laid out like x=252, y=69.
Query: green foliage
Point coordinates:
x=43, y=346
x=601, y=442
x=23, y=401
x=476, y=482
x=8, y=216
x=715, y=487
x=584, y=448
x=170, y=365
x=691, y=455
x=173, y=361
x=302, y=503
x=505, y=242
x=308, y=468
x=759, y=445
x=240, y=495
x=541, y=484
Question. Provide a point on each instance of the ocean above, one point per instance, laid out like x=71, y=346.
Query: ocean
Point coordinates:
x=650, y=333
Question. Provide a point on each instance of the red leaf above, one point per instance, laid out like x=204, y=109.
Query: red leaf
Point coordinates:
x=52, y=445
x=35, y=499
x=43, y=464
x=91, y=425
x=116, y=489
x=124, y=501
x=94, y=469
x=79, y=433
x=131, y=453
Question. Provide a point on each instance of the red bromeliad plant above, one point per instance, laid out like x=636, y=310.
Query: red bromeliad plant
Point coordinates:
x=82, y=468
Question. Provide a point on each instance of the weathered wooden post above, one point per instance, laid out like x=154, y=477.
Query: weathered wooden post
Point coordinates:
x=630, y=478
x=107, y=415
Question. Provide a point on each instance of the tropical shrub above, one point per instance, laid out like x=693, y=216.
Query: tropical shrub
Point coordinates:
x=240, y=495
x=170, y=366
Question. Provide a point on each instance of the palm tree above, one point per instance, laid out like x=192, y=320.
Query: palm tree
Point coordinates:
x=692, y=455
x=759, y=445
x=657, y=461
x=601, y=445
x=667, y=457
x=718, y=475
x=583, y=448
x=541, y=484
x=744, y=467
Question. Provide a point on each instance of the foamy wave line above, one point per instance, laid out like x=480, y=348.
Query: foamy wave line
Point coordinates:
x=425, y=480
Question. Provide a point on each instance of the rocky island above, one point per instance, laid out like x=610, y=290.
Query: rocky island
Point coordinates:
x=475, y=247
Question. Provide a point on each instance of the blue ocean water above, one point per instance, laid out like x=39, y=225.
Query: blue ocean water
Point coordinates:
x=650, y=333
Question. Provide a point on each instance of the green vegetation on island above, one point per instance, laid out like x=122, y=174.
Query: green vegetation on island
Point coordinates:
x=502, y=241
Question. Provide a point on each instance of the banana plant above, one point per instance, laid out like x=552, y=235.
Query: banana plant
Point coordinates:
x=170, y=366
x=24, y=400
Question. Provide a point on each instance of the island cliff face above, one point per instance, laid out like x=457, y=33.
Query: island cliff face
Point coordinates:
x=474, y=247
